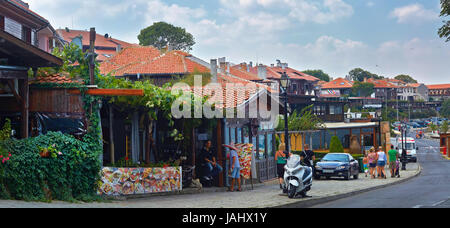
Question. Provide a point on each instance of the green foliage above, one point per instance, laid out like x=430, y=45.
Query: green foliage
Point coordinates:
x=359, y=74
x=433, y=127
x=161, y=34
x=318, y=74
x=303, y=121
x=5, y=132
x=444, y=31
x=72, y=170
x=71, y=175
x=445, y=109
x=362, y=89
x=336, y=145
x=406, y=78
x=444, y=127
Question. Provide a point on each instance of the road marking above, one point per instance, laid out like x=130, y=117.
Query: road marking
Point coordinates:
x=418, y=206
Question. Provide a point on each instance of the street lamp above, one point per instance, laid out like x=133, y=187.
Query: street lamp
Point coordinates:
x=284, y=84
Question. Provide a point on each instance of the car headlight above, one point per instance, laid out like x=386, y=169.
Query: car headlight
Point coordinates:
x=318, y=167
x=341, y=167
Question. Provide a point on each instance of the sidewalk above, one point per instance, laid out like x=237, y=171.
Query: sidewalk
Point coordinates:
x=262, y=196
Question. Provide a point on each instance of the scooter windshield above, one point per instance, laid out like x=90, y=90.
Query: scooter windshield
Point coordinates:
x=293, y=161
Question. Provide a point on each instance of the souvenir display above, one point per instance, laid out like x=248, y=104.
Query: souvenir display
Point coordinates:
x=245, y=159
x=131, y=181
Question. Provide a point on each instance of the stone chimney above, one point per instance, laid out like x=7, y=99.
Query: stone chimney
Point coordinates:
x=222, y=64
x=118, y=48
x=243, y=66
x=213, y=70
x=262, y=72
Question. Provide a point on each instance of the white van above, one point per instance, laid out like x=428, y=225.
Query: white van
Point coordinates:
x=411, y=149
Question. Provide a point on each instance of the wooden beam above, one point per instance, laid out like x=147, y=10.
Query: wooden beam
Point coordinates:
x=110, y=92
x=25, y=108
x=12, y=74
x=13, y=90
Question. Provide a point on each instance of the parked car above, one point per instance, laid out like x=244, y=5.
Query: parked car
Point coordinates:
x=337, y=165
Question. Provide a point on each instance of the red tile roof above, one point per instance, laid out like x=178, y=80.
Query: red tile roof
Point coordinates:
x=244, y=74
x=129, y=56
x=100, y=40
x=381, y=83
x=275, y=73
x=339, y=83
x=439, y=86
x=27, y=10
x=59, y=78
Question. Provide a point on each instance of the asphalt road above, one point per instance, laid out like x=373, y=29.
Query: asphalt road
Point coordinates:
x=429, y=190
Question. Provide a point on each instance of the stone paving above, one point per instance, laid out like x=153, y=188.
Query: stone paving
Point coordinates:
x=265, y=196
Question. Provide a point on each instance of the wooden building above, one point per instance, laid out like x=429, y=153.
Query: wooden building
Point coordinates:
x=17, y=58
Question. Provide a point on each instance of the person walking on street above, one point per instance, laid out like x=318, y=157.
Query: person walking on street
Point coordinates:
x=235, y=170
x=281, y=157
x=373, y=159
x=393, y=156
x=366, y=163
x=382, y=159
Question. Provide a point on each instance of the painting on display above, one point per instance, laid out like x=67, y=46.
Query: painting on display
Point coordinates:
x=132, y=181
x=245, y=159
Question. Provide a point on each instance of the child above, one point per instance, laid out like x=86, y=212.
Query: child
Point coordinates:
x=366, y=163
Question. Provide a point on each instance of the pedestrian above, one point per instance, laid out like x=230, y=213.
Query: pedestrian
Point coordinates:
x=281, y=157
x=366, y=162
x=382, y=159
x=235, y=169
x=373, y=159
x=393, y=156
x=308, y=157
x=208, y=158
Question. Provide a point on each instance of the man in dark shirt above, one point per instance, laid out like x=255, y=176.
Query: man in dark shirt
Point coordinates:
x=308, y=156
x=208, y=158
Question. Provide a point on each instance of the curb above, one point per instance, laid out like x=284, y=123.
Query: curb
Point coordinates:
x=313, y=202
x=188, y=191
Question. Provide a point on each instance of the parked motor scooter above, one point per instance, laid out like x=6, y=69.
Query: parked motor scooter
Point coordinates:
x=297, y=178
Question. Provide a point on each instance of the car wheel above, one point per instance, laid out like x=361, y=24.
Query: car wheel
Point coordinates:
x=347, y=176
x=317, y=177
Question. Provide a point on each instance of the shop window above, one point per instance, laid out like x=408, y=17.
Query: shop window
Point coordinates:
x=344, y=137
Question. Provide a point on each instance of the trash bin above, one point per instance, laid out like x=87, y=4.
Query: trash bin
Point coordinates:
x=361, y=165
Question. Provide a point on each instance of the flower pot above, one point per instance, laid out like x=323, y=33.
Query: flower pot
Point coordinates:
x=44, y=153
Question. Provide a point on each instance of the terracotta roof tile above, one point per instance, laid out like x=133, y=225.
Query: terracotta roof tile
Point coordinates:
x=381, y=83
x=59, y=78
x=339, y=83
x=275, y=73
x=439, y=86
x=100, y=40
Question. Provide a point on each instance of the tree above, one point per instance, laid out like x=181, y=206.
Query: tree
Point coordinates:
x=362, y=89
x=406, y=78
x=444, y=31
x=318, y=74
x=445, y=109
x=303, y=121
x=444, y=127
x=336, y=145
x=359, y=74
x=162, y=34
